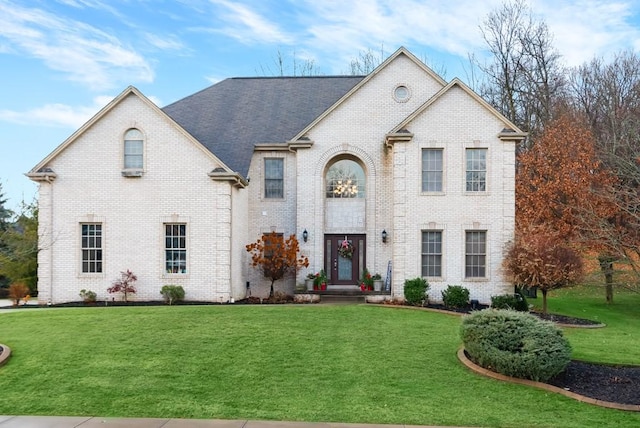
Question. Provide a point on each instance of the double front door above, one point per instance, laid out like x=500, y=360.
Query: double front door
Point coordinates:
x=344, y=258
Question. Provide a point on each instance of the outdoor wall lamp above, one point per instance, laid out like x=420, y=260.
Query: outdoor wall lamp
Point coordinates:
x=305, y=235
x=384, y=236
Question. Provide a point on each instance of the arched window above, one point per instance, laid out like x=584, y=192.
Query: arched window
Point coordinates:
x=133, y=149
x=345, y=179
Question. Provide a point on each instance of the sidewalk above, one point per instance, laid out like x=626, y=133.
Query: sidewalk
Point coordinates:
x=91, y=422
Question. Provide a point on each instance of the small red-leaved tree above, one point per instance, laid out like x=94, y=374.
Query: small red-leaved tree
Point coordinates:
x=275, y=257
x=124, y=284
x=540, y=259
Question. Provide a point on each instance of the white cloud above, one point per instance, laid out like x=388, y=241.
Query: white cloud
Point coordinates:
x=247, y=25
x=581, y=29
x=56, y=115
x=84, y=53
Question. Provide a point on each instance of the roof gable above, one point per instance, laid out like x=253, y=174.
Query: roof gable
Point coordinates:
x=41, y=168
x=510, y=127
x=370, y=76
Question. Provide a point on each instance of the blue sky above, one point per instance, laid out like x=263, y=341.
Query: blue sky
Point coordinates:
x=62, y=60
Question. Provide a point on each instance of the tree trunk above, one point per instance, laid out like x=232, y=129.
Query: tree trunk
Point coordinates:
x=544, y=301
x=606, y=265
x=271, y=290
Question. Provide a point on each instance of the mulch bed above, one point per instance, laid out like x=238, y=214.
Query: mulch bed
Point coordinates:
x=615, y=384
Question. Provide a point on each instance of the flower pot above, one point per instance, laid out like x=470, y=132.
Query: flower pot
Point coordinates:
x=324, y=286
x=309, y=284
x=377, y=285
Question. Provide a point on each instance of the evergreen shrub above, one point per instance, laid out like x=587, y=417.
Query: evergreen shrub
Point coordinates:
x=515, y=344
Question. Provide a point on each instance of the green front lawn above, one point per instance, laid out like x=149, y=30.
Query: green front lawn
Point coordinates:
x=300, y=362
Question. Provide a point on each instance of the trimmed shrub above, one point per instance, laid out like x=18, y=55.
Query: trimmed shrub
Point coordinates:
x=517, y=302
x=172, y=293
x=515, y=344
x=415, y=291
x=455, y=296
x=88, y=296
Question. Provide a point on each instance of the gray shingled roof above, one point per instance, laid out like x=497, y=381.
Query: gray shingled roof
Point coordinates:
x=230, y=117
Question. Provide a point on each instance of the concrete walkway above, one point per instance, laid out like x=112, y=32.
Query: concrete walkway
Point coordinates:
x=94, y=422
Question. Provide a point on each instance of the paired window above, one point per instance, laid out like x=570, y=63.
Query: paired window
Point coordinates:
x=274, y=178
x=345, y=179
x=432, y=170
x=91, y=247
x=133, y=149
x=476, y=170
x=175, y=247
x=432, y=253
x=475, y=254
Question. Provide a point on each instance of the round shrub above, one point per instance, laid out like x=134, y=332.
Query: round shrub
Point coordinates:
x=515, y=344
x=517, y=302
x=415, y=291
x=455, y=296
x=172, y=293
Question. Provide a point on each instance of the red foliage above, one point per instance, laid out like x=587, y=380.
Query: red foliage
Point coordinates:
x=124, y=284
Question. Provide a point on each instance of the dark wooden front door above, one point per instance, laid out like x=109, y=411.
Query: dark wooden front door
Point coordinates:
x=342, y=269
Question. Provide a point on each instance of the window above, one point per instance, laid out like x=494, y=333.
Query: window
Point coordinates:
x=91, y=246
x=133, y=148
x=175, y=247
x=274, y=178
x=432, y=170
x=345, y=179
x=432, y=253
x=476, y=254
x=476, y=170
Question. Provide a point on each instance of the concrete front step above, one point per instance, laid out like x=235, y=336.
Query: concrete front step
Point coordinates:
x=341, y=299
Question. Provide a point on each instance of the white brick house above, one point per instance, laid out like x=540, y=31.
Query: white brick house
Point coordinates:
x=175, y=194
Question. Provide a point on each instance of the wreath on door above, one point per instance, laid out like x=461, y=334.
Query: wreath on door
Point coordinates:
x=345, y=249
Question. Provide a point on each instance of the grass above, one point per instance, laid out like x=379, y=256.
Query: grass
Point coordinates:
x=619, y=342
x=366, y=364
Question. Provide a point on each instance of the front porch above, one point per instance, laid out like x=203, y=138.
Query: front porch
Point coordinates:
x=341, y=294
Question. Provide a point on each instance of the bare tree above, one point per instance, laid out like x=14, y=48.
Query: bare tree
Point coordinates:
x=366, y=62
x=523, y=78
x=608, y=95
x=293, y=66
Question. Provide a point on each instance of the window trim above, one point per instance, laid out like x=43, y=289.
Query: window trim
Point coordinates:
x=91, y=222
x=264, y=180
x=485, y=255
x=423, y=254
x=133, y=171
x=174, y=221
x=467, y=150
x=442, y=171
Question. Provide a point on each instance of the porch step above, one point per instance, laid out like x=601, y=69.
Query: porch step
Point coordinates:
x=345, y=299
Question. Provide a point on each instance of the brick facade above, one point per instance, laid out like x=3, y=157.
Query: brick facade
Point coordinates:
x=82, y=182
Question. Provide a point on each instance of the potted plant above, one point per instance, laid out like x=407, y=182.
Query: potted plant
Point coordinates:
x=320, y=281
x=309, y=281
x=366, y=282
x=377, y=282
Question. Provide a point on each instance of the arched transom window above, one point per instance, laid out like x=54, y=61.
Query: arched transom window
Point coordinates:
x=345, y=179
x=133, y=149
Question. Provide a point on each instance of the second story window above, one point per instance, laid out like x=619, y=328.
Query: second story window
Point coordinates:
x=274, y=178
x=432, y=170
x=345, y=179
x=476, y=177
x=133, y=149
